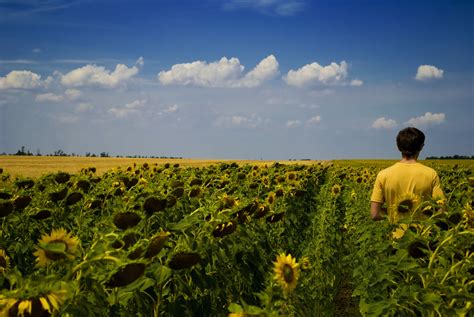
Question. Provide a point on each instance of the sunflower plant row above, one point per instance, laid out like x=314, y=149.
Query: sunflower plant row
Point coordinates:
x=280, y=240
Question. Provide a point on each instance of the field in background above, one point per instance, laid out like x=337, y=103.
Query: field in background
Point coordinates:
x=385, y=163
x=35, y=166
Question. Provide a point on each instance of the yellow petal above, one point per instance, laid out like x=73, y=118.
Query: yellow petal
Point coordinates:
x=45, y=304
x=53, y=299
x=24, y=307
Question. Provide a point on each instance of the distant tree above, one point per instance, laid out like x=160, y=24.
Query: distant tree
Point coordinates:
x=59, y=153
x=21, y=151
x=104, y=154
x=453, y=157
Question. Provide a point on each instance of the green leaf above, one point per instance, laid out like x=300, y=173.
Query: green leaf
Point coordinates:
x=187, y=222
x=55, y=247
x=235, y=308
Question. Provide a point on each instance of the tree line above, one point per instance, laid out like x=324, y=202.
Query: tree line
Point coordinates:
x=26, y=152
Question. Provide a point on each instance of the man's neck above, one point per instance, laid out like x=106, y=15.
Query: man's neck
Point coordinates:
x=412, y=160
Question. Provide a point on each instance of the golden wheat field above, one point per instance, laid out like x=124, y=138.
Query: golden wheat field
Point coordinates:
x=35, y=166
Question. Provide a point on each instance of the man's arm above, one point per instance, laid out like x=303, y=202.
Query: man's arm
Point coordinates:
x=376, y=210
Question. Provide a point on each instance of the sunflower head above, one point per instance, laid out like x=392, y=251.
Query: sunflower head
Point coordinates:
x=405, y=206
x=271, y=198
x=57, y=246
x=40, y=304
x=286, y=272
x=336, y=189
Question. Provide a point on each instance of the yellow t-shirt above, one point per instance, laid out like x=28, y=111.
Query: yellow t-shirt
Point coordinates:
x=403, y=186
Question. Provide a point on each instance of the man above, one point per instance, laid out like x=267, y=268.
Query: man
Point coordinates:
x=405, y=184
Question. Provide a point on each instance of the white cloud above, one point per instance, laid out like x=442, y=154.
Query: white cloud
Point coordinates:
x=72, y=94
x=36, y=50
x=293, y=123
x=17, y=61
x=140, y=62
x=313, y=74
x=93, y=75
x=356, y=82
x=21, y=79
x=313, y=120
x=223, y=73
x=265, y=70
x=172, y=109
x=129, y=109
x=427, y=119
x=383, y=123
x=83, y=107
x=427, y=72
x=277, y=7
x=252, y=121
x=49, y=97
x=69, y=95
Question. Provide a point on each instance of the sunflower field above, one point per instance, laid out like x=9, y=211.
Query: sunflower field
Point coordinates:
x=231, y=240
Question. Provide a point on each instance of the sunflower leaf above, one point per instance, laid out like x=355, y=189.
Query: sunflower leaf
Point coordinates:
x=56, y=247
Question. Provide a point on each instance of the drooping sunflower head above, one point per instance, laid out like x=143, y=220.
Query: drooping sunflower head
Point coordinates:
x=57, y=246
x=33, y=300
x=286, y=272
x=4, y=262
x=406, y=204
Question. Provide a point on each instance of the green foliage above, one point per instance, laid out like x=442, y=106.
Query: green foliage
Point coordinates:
x=172, y=241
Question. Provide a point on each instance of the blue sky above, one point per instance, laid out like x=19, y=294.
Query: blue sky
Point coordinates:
x=236, y=79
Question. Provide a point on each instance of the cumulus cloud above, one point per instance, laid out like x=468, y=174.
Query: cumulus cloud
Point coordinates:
x=223, y=73
x=315, y=74
x=427, y=119
x=313, y=120
x=427, y=72
x=83, y=107
x=293, y=123
x=69, y=95
x=277, y=7
x=140, y=61
x=265, y=70
x=356, y=82
x=49, y=97
x=252, y=121
x=172, y=109
x=72, y=94
x=127, y=110
x=21, y=79
x=384, y=123
x=93, y=75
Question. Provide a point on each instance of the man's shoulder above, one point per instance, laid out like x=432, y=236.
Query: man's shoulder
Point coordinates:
x=389, y=169
x=427, y=169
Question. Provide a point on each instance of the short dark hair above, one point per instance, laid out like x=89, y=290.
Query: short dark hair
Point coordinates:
x=410, y=141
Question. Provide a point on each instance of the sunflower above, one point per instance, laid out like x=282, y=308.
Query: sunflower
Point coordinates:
x=4, y=262
x=305, y=264
x=59, y=245
x=336, y=189
x=42, y=305
x=291, y=176
x=405, y=205
x=271, y=198
x=286, y=272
